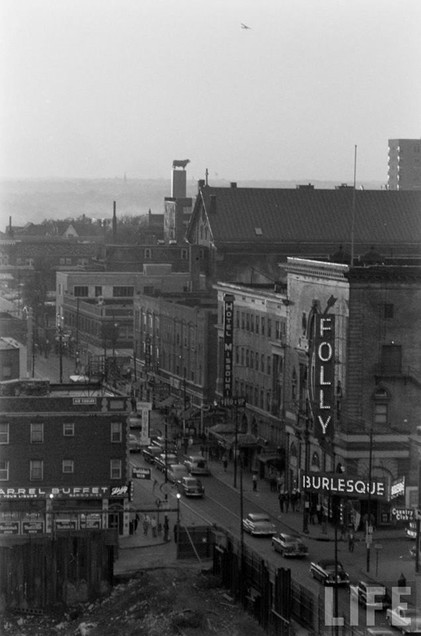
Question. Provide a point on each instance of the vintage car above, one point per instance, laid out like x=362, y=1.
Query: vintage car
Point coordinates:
x=163, y=461
x=134, y=444
x=407, y=619
x=197, y=465
x=191, y=487
x=259, y=524
x=176, y=472
x=289, y=545
x=150, y=452
x=372, y=594
x=325, y=571
x=411, y=530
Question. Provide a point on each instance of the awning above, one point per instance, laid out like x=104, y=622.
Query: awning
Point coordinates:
x=268, y=459
x=223, y=429
x=190, y=413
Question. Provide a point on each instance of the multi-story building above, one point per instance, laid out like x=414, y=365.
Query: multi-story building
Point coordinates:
x=258, y=362
x=174, y=344
x=64, y=460
x=404, y=164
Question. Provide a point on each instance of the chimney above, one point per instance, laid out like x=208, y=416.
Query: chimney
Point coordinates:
x=212, y=209
x=114, y=223
x=233, y=185
x=200, y=184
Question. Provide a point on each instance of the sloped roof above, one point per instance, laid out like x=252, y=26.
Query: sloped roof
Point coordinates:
x=275, y=215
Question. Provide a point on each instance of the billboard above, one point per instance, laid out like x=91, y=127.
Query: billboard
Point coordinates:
x=344, y=486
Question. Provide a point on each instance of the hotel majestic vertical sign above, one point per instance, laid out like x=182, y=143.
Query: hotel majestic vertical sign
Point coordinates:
x=323, y=368
x=228, y=344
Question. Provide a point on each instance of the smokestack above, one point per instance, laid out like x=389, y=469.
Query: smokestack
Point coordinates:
x=114, y=223
x=233, y=184
x=200, y=184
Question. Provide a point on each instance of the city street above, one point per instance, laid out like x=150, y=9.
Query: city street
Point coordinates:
x=221, y=505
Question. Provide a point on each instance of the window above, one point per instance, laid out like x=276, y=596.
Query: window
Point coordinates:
x=262, y=363
x=247, y=358
x=237, y=355
x=68, y=429
x=269, y=366
x=380, y=414
x=37, y=433
x=115, y=469
x=183, y=255
x=388, y=310
x=68, y=261
x=80, y=291
x=68, y=466
x=269, y=328
x=36, y=470
x=391, y=358
x=248, y=322
x=315, y=460
x=120, y=291
x=82, y=261
x=4, y=470
x=242, y=356
x=263, y=326
x=257, y=324
x=148, y=253
x=116, y=432
x=237, y=318
x=243, y=321
x=4, y=433
x=98, y=290
x=62, y=260
x=251, y=360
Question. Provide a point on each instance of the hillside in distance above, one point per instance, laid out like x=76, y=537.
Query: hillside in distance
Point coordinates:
x=36, y=200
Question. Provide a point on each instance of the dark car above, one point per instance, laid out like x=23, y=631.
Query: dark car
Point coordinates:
x=192, y=487
x=150, y=452
x=259, y=524
x=163, y=461
x=289, y=545
x=370, y=594
x=325, y=571
x=176, y=472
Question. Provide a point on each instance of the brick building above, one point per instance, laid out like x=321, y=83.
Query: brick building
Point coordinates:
x=64, y=460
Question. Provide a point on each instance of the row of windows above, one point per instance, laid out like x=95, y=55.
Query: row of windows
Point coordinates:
x=36, y=469
x=254, y=395
x=148, y=253
x=260, y=325
x=119, y=291
x=36, y=432
x=253, y=360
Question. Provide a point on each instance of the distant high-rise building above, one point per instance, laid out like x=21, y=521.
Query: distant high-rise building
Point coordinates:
x=404, y=164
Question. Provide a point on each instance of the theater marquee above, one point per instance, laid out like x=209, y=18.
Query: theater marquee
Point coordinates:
x=335, y=484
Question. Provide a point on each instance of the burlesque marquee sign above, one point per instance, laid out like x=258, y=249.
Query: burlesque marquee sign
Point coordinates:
x=228, y=344
x=322, y=370
x=334, y=484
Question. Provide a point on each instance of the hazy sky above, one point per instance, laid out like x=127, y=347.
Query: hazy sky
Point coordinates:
x=99, y=88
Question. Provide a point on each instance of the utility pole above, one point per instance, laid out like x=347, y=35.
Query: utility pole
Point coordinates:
x=368, y=526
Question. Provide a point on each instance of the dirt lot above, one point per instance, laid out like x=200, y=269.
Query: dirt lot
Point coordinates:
x=163, y=602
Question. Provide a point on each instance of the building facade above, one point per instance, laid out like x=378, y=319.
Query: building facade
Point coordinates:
x=64, y=461
x=404, y=164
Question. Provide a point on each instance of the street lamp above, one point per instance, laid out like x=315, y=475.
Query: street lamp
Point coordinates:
x=178, y=522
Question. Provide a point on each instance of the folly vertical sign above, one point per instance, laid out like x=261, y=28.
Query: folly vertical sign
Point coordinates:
x=324, y=375
x=228, y=344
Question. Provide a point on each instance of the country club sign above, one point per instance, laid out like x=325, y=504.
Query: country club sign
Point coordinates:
x=323, y=370
x=336, y=484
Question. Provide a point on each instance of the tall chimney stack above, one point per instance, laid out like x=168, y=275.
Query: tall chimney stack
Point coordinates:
x=114, y=223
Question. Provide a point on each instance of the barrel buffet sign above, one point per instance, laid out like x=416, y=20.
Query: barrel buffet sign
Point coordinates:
x=323, y=370
x=228, y=343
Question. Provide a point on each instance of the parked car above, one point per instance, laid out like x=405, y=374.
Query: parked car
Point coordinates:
x=367, y=597
x=169, y=445
x=325, y=571
x=192, y=487
x=150, y=452
x=176, y=472
x=411, y=530
x=134, y=444
x=407, y=619
x=163, y=460
x=197, y=465
x=289, y=545
x=259, y=524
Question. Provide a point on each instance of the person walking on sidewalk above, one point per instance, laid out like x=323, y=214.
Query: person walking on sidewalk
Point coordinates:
x=254, y=478
x=281, y=498
x=351, y=540
x=154, y=525
x=146, y=524
x=225, y=462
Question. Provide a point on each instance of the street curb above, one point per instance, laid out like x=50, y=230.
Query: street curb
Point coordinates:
x=140, y=547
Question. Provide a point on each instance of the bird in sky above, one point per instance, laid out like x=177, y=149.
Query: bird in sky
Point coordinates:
x=244, y=26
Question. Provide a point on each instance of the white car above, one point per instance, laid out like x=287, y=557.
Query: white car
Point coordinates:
x=329, y=572
x=176, y=472
x=134, y=444
x=259, y=524
x=289, y=545
x=408, y=620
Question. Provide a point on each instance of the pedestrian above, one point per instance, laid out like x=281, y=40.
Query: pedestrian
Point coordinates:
x=153, y=525
x=319, y=514
x=351, y=540
x=166, y=528
x=286, y=501
x=225, y=462
x=254, y=478
x=281, y=501
x=272, y=481
x=136, y=522
x=402, y=581
x=293, y=500
x=146, y=524
x=175, y=532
